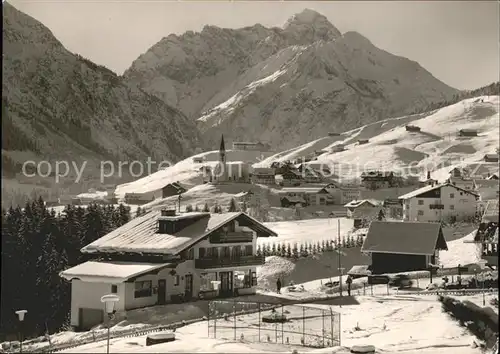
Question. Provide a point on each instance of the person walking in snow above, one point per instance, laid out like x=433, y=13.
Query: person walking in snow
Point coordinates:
x=278, y=286
x=349, y=282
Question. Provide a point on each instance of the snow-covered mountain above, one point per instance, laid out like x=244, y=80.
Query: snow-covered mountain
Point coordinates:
x=285, y=85
x=437, y=148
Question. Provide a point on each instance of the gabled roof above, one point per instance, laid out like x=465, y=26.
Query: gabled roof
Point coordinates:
x=425, y=189
x=112, y=272
x=304, y=190
x=140, y=234
x=486, y=183
x=358, y=203
x=404, y=238
x=491, y=156
x=294, y=199
x=493, y=177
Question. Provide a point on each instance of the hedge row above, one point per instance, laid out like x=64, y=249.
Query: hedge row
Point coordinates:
x=298, y=250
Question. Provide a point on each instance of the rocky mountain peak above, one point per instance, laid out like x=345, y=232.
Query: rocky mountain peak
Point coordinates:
x=309, y=20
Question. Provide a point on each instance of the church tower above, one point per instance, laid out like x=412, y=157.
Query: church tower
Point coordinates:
x=221, y=170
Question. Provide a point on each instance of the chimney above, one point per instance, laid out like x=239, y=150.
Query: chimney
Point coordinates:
x=168, y=212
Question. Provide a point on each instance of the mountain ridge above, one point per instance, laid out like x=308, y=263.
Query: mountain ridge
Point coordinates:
x=199, y=71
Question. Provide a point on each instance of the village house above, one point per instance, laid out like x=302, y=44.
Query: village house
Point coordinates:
x=490, y=158
x=252, y=146
x=310, y=196
x=467, y=132
x=366, y=209
x=290, y=178
x=172, y=189
x=403, y=246
x=486, y=236
x=164, y=257
x=363, y=141
x=494, y=176
x=308, y=174
x=340, y=194
x=393, y=208
x=439, y=202
x=263, y=175
x=378, y=179
x=198, y=159
x=139, y=198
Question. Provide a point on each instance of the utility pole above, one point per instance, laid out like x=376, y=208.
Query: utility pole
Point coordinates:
x=339, y=255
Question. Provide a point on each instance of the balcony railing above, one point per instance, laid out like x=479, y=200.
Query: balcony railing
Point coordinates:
x=207, y=263
x=231, y=237
x=436, y=206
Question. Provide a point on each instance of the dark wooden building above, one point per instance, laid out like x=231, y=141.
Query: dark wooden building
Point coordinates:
x=403, y=246
x=491, y=158
x=172, y=189
x=487, y=234
x=412, y=128
x=467, y=132
x=363, y=141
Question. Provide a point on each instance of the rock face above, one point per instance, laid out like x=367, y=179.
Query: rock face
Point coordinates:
x=56, y=104
x=283, y=86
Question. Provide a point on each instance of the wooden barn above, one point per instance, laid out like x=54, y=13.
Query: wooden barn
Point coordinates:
x=363, y=141
x=412, y=128
x=467, y=132
x=403, y=246
x=172, y=189
x=490, y=158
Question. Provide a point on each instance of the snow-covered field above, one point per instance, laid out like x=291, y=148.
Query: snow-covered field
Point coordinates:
x=302, y=231
x=460, y=252
x=404, y=324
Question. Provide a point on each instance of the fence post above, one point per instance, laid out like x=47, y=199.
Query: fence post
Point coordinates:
x=323, y=326
x=215, y=320
x=282, y=324
x=371, y=289
x=208, y=317
x=340, y=328
x=259, y=320
x=303, y=326
x=234, y=318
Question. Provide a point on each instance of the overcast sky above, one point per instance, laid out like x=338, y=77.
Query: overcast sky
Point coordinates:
x=458, y=42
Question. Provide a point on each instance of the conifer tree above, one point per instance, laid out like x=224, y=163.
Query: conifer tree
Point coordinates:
x=288, y=250
x=259, y=250
x=278, y=249
x=189, y=208
x=295, y=250
x=206, y=209
x=196, y=208
x=232, y=206
x=273, y=249
x=138, y=212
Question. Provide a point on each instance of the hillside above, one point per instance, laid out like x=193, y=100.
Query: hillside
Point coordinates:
x=282, y=86
x=436, y=147
x=57, y=105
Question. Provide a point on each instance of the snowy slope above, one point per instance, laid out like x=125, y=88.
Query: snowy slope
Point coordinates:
x=437, y=147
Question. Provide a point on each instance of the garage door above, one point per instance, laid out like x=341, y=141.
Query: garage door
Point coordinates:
x=90, y=318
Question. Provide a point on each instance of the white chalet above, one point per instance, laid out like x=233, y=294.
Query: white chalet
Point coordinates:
x=436, y=202
x=162, y=257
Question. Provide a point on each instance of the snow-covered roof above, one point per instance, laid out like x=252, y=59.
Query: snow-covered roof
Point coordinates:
x=302, y=190
x=140, y=235
x=110, y=271
x=358, y=203
x=425, y=189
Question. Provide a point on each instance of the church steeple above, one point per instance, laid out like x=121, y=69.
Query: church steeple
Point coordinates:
x=222, y=146
x=222, y=151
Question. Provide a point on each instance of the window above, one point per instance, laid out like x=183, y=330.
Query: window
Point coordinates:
x=420, y=212
x=452, y=207
x=452, y=195
x=254, y=279
x=226, y=252
x=420, y=202
x=236, y=252
x=248, y=250
x=201, y=252
x=190, y=254
x=114, y=289
x=177, y=280
x=143, y=289
x=247, y=280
